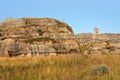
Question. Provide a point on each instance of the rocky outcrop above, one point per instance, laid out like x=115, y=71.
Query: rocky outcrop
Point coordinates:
x=36, y=35
x=106, y=43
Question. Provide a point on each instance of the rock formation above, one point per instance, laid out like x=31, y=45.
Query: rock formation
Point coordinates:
x=99, y=43
x=36, y=36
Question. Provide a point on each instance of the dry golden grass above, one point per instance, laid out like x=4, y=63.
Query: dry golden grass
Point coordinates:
x=64, y=67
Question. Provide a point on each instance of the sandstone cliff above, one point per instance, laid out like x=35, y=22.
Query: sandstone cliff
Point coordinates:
x=91, y=43
x=36, y=36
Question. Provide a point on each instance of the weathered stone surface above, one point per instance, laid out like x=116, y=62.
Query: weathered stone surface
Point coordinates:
x=36, y=35
x=100, y=43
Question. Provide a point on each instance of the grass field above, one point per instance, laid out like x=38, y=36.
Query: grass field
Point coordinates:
x=64, y=67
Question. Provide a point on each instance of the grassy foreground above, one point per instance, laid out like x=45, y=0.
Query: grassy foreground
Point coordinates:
x=69, y=67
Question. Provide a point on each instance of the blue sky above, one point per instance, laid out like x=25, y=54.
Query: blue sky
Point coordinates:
x=81, y=15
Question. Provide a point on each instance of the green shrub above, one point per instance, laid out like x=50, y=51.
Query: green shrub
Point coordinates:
x=44, y=39
x=0, y=30
x=69, y=28
x=40, y=32
x=35, y=25
x=99, y=70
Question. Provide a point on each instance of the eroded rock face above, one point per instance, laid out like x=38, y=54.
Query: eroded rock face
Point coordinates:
x=99, y=43
x=38, y=35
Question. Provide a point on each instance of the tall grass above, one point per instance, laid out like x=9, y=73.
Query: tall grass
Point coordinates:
x=64, y=67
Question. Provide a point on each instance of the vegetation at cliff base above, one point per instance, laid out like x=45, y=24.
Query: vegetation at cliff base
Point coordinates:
x=63, y=67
